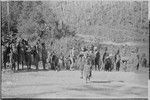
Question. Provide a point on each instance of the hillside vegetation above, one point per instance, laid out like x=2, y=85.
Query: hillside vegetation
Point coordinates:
x=118, y=21
x=66, y=24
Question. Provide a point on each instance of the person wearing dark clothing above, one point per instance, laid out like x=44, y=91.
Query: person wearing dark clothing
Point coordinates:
x=6, y=52
x=105, y=55
x=108, y=64
x=36, y=57
x=137, y=66
x=97, y=60
x=117, y=60
x=55, y=61
x=44, y=55
x=21, y=53
x=28, y=57
x=144, y=62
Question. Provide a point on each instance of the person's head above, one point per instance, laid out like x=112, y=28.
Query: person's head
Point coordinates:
x=105, y=49
x=38, y=40
x=91, y=49
x=34, y=47
x=88, y=59
x=137, y=49
x=43, y=44
x=138, y=56
x=85, y=49
x=82, y=48
x=118, y=51
x=95, y=48
x=26, y=42
x=125, y=62
x=37, y=43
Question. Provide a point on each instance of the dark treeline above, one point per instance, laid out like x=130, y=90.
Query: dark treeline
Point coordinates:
x=31, y=20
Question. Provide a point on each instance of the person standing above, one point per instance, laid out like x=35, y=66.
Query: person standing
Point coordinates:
x=44, y=55
x=81, y=61
x=97, y=59
x=135, y=59
x=117, y=60
x=39, y=49
x=90, y=56
x=105, y=55
x=91, y=52
x=138, y=59
x=72, y=58
x=6, y=53
x=144, y=61
x=125, y=62
x=87, y=67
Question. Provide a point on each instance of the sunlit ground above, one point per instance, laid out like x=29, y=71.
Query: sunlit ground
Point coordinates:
x=49, y=84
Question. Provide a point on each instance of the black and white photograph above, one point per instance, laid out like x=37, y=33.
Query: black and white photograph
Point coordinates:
x=75, y=49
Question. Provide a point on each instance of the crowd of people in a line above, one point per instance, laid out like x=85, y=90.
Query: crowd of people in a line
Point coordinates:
x=21, y=53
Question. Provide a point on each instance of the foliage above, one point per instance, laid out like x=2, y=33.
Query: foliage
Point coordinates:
x=38, y=18
x=62, y=46
x=103, y=18
x=11, y=18
x=117, y=21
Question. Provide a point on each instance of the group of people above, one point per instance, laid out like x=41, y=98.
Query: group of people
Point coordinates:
x=89, y=59
x=21, y=53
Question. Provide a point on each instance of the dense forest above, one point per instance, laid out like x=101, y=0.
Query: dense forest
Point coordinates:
x=110, y=20
x=58, y=23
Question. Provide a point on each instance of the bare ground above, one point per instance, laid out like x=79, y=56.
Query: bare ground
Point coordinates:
x=49, y=84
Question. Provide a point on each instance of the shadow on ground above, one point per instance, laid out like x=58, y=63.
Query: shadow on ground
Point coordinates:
x=31, y=70
x=101, y=81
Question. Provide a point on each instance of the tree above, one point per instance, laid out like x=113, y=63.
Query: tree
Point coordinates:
x=14, y=11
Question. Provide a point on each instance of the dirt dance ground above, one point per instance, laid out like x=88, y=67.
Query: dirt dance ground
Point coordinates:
x=67, y=84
